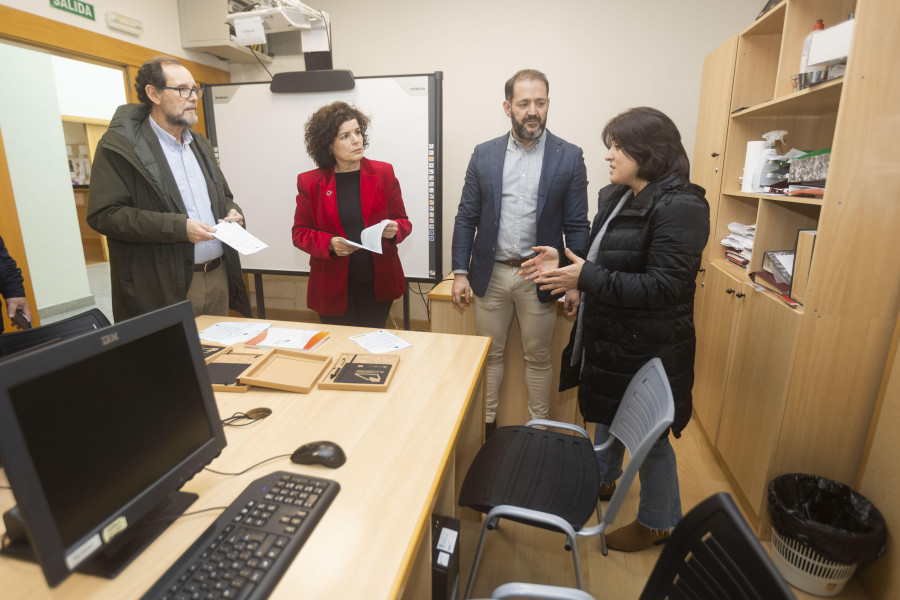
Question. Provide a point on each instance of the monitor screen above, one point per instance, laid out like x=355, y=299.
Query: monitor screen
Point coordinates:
x=97, y=430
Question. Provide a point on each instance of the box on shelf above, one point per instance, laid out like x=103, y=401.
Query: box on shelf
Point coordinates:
x=810, y=167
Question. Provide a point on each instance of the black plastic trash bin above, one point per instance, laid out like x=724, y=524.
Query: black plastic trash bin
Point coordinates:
x=822, y=531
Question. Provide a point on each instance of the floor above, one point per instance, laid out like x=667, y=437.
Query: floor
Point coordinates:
x=98, y=280
x=517, y=552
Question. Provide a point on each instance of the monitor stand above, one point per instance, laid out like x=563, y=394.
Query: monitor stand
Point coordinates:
x=113, y=557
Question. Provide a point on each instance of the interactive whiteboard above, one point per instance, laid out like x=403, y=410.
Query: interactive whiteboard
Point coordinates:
x=258, y=136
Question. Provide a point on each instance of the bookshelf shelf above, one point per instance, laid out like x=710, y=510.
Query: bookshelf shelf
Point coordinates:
x=773, y=383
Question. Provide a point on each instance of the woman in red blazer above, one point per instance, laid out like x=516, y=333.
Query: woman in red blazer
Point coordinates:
x=346, y=194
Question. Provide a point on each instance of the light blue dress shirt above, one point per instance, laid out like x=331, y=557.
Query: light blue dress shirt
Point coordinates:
x=192, y=186
x=519, y=199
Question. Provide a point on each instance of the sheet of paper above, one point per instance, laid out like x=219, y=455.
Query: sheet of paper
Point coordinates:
x=233, y=332
x=371, y=237
x=379, y=342
x=238, y=238
x=287, y=337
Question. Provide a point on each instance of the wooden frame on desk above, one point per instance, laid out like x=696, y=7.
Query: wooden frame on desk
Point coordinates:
x=407, y=452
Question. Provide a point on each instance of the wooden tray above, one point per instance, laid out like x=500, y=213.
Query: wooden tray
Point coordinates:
x=367, y=372
x=236, y=355
x=289, y=370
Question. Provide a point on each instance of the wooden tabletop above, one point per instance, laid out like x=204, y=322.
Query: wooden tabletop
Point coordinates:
x=401, y=447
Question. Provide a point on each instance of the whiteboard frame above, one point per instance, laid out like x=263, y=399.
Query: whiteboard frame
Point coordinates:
x=427, y=227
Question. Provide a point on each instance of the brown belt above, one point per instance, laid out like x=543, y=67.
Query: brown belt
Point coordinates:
x=514, y=262
x=208, y=266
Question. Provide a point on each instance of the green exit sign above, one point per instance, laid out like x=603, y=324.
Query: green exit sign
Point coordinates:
x=76, y=7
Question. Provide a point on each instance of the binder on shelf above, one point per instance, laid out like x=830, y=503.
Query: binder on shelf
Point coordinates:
x=780, y=263
x=768, y=281
x=806, y=240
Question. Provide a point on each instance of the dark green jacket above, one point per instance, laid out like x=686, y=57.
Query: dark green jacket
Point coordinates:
x=134, y=201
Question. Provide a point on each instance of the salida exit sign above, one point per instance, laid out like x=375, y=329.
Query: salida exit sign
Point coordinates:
x=76, y=7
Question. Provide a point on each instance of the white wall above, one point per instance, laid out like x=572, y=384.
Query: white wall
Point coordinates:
x=601, y=57
x=38, y=168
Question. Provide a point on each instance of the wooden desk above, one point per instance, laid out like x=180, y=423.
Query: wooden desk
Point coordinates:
x=513, y=408
x=407, y=451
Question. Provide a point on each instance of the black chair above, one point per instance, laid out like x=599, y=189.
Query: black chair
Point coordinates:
x=550, y=479
x=712, y=554
x=17, y=341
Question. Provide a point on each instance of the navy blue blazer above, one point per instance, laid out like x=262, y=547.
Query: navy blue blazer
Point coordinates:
x=562, y=207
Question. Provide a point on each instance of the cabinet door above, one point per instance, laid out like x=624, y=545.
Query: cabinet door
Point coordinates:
x=715, y=322
x=758, y=377
x=712, y=125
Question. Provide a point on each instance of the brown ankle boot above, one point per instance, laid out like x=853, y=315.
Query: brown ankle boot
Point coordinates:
x=634, y=537
x=606, y=491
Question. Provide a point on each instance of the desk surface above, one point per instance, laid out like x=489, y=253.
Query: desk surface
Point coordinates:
x=399, y=445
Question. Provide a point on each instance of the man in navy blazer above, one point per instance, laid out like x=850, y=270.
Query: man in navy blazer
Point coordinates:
x=524, y=189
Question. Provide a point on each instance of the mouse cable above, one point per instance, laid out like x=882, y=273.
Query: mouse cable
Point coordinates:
x=238, y=416
x=248, y=468
x=5, y=487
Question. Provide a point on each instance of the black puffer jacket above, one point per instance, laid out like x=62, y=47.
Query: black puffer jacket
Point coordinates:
x=639, y=296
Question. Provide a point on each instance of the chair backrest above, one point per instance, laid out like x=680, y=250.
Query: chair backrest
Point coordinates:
x=646, y=411
x=538, y=591
x=712, y=553
x=17, y=341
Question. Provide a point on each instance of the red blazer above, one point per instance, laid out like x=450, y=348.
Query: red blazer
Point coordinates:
x=316, y=221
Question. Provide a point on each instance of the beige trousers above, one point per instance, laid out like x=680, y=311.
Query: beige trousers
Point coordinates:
x=509, y=294
x=209, y=292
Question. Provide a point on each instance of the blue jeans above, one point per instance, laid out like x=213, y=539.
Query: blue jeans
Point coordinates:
x=660, y=505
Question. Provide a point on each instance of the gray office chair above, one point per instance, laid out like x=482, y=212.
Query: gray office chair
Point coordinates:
x=712, y=554
x=538, y=592
x=551, y=479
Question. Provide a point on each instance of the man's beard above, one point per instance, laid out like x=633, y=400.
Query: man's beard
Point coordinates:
x=185, y=119
x=519, y=128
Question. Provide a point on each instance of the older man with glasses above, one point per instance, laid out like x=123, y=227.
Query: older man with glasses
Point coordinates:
x=157, y=194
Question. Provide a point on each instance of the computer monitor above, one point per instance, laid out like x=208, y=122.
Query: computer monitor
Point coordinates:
x=97, y=434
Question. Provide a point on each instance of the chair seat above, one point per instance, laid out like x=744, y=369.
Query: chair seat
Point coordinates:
x=538, y=469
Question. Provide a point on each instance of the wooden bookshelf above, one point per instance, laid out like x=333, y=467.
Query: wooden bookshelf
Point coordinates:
x=781, y=389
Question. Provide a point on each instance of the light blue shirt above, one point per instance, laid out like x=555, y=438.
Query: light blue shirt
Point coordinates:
x=519, y=199
x=192, y=186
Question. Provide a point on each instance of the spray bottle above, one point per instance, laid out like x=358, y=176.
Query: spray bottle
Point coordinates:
x=765, y=168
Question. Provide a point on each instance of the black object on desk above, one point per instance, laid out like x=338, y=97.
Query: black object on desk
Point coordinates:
x=250, y=546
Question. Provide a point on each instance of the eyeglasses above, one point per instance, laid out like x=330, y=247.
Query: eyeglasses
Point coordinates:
x=185, y=92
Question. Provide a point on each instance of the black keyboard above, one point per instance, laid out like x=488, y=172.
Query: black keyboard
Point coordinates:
x=244, y=553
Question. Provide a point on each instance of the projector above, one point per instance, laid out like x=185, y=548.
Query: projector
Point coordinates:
x=284, y=17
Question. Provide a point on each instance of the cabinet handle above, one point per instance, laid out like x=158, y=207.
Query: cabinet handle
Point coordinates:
x=714, y=154
x=701, y=270
x=740, y=295
x=729, y=291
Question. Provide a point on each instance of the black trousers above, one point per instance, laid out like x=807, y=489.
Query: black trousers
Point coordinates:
x=363, y=310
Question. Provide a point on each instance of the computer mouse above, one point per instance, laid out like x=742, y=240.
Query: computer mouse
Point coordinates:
x=323, y=453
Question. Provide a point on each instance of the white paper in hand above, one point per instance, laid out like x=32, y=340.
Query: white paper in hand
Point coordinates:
x=238, y=238
x=370, y=237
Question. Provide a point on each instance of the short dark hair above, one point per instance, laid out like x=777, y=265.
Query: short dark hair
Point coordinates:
x=322, y=129
x=524, y=74
x=651, y=139
x=151, y=73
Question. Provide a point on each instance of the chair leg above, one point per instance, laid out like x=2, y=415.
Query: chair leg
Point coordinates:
x=603, y=548
x=484, y=530
x=577, y=561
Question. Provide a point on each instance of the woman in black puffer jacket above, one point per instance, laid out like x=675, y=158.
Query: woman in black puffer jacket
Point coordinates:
x=637, y=282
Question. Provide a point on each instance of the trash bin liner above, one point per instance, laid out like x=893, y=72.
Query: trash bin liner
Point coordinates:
x=829, y=517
